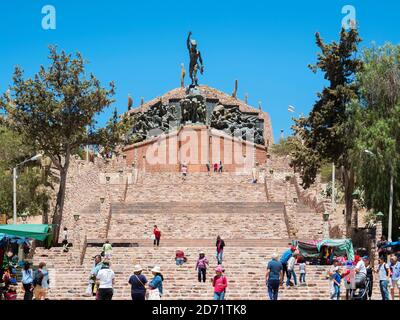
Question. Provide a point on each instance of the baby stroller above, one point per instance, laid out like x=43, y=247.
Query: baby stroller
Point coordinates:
x=361, y=290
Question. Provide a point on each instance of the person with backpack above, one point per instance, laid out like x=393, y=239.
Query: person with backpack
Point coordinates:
x=27, y=281
x=138, y=284
x=41, y=282
x=220, y=283
x=201, y=266
x=384, y=276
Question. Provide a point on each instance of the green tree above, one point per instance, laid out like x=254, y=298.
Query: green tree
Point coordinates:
x=53, y=111
x=327, y=132
x=31, y=185
x=378, y=123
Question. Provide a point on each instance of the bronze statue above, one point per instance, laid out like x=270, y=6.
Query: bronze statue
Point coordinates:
x=235, y=89
x=195, y=56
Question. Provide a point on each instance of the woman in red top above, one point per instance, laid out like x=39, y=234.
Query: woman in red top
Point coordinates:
x=220, y=283
x=157, y=236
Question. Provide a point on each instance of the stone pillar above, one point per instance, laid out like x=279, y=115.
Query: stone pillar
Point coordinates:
x=378, y=235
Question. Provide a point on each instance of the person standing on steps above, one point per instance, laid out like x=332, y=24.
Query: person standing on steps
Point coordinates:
x=138, y=284
x=65, y=242
x=220, y=283
x=274, y=277
x=27, y=281
x=370, y=276
x=201, y=266
x=156, y=236
x=156, y=285
x=290, y=270
x=105, y=281
x=284, y=260
x=303, y=271
x=395, y=276
x=92, y=289
x=107, y=250
x=384, y=277
x=220, y=249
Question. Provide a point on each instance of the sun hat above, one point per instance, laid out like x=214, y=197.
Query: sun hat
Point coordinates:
x=156, y=269
x=219, y=269
x=137, y=268
x=201, y=252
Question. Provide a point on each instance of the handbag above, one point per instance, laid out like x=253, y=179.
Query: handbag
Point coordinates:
x=154, y=295
x=153, y=237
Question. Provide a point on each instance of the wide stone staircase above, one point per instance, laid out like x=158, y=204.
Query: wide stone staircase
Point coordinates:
x=191, y=213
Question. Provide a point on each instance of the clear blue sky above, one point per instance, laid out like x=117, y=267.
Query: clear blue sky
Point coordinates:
x=140, y=44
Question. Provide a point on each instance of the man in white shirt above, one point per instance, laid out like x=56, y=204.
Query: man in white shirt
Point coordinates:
x=290, y=270
x=361, y=272
x=105, y=282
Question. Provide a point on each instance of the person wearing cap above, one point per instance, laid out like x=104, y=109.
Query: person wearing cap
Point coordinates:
x=220, y=283
x=156, y=285
x=138, y=284
x=105, y=280
x=361, y=271
x=201, y=266
x=284, y=260
x=274, y=277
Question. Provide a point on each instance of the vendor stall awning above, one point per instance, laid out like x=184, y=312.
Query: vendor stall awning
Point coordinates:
x=32, y=231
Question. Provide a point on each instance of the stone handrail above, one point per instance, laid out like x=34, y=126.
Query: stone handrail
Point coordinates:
x=83, y=252
x=125, y=190
x=108, y=221
x=310, y=198
x=266, y=188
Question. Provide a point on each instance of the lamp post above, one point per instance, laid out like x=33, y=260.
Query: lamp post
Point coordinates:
x=77, y=240
x=38, y=156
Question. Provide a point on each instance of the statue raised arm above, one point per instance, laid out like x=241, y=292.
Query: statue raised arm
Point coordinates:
x=195, y=56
